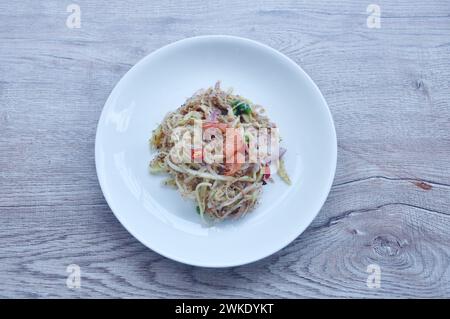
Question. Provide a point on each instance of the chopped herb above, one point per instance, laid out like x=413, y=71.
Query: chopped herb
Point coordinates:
x=240, y=107
x=198, y=210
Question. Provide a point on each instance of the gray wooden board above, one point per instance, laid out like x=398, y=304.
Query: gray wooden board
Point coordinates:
x=388, y=90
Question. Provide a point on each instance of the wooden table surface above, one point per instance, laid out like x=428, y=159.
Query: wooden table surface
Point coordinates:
x=388, y=89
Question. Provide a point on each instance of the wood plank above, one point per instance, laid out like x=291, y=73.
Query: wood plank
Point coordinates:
x=388, y=90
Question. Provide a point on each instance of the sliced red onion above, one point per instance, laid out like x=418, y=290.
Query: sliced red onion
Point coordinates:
x=213, y=115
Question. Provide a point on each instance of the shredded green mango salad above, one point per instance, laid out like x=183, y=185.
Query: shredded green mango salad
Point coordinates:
x=221, y=189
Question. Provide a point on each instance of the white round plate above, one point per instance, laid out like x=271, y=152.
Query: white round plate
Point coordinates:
x=158, y=216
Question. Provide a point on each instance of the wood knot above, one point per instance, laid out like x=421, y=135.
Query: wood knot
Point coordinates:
x=386, y=246
x=423, y=185
x=355, y=231
x=419, y=84
x=422, y=86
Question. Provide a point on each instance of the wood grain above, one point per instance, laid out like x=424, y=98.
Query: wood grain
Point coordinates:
x=388, y=90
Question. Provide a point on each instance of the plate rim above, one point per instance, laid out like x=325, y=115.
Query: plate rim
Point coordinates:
x=279, y=54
